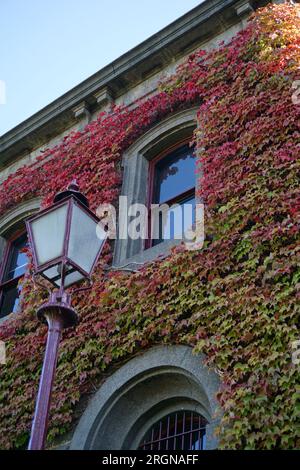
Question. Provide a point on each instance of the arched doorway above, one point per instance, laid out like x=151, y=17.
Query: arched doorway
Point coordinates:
x=162, y=383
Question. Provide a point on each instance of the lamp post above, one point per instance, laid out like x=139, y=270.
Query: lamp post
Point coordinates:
x=66, y=241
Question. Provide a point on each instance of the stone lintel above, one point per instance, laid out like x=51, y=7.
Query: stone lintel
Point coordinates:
x=243, y=8
x=82, y=111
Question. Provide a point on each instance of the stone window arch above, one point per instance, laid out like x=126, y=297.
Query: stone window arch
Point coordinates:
x=173, y=130
x=163, y=380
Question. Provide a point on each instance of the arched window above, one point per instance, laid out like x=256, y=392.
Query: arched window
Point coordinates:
x=159, y=169
x=13, y=269
x=183, y=430
x=13, y=260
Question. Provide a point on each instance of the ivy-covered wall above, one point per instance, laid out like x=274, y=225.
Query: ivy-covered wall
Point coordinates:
x=236, y=299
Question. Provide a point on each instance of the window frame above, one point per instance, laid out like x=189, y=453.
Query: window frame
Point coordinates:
x=151, y=184
x=5, y=259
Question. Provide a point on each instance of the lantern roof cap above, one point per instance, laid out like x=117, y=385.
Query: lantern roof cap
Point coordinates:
x=72, y=190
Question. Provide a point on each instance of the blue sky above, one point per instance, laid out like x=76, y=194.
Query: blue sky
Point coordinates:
x=49, y=46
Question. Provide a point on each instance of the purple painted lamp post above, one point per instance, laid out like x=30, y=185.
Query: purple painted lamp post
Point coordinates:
x=66, y=241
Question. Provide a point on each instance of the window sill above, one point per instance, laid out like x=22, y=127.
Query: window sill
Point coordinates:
x=162, y=250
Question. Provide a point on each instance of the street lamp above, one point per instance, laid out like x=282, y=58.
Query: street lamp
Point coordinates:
x=66, y=240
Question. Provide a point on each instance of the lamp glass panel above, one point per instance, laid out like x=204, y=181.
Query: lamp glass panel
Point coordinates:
x=86, y=239
x=49, y=233
x=53, y=273
x=71, y=278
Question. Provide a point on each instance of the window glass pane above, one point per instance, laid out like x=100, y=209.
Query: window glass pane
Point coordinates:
x=174, y=174
x=175, y=222
x=10, y=300
x=17, y=261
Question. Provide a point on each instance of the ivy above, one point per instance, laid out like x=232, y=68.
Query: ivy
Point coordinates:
x=236, y=299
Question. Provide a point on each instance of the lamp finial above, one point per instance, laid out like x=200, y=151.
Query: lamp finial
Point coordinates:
x=73, y=186
x=72, y=190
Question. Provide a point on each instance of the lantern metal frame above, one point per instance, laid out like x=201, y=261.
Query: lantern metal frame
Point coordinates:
x=62, y=260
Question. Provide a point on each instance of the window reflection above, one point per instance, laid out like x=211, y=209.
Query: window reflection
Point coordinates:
x=17, y=260
x=174, y=174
